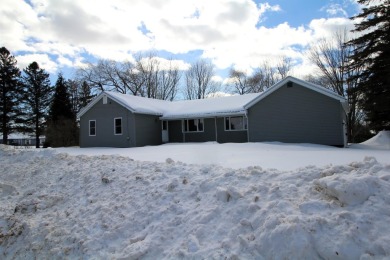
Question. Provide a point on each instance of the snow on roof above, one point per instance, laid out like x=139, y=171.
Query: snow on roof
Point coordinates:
x=140, y=105
x=185, y=108
x=210, y=107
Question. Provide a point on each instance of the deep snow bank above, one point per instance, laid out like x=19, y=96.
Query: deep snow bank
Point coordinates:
x=379, y=141
x=60, y=206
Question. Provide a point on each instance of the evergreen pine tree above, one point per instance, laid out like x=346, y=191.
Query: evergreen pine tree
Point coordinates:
x=373, y=51
x=10, y=92
x=62, y=128
x=37, y=97
x=85, y=95
x=74, y=94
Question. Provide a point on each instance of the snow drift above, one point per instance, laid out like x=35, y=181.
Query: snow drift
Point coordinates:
x=381, y=140
x=54, y=205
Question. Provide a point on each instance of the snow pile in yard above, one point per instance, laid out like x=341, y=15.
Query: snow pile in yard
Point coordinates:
x=54, y=205
x=381, y=140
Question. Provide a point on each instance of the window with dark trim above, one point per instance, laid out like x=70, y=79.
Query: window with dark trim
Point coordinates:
x=193, y=125
x=92, y=127
x=118, y=125
x=236, y=123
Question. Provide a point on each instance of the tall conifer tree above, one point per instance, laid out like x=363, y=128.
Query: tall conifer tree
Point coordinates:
x=10, y=92
x=85, y=95
x=373, y=52
x=37, y=97
x=62, y=129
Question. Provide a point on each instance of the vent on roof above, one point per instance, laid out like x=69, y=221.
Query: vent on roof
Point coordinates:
x=104, y=99
x=289, y=84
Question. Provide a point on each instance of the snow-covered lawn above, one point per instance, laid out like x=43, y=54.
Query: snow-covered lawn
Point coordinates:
x=241, y=155
x=211, y=201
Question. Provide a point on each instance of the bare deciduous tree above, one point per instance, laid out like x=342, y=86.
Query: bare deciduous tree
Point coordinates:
x=144, y=77
x=330, y=57
x=199, y=81
x=239, y=82
x=168, y=82
x=262, y=78
x=284, y=67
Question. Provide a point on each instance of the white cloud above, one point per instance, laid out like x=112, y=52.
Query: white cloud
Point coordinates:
x=335, y=9
x=226, y=31
x=43, y=61
x=324, y=28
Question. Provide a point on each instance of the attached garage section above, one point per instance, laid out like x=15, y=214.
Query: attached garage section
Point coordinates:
x=296, y=114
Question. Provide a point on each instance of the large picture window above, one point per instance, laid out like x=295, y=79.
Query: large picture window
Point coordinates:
x=92, y=127
x=193, y=125
x=118, y=125
x=236, y=123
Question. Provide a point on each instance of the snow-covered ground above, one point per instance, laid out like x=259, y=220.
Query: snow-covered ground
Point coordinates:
x=211, y=201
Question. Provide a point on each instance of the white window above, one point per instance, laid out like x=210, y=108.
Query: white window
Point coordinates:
x=92, y=127
x=118, y=125
x=104, y=99
x=236, y=123
x=193, y=125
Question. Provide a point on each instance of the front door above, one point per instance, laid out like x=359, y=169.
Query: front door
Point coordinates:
x=164, y=132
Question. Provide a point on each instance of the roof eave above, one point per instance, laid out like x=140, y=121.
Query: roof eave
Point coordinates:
x=203, y=115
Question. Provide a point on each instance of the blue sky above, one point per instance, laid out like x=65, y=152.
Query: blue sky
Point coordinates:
x=65, y=35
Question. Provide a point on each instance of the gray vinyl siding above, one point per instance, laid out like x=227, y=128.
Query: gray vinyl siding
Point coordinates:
x=229, y=136
x=296, y=115
x=148, y=131
x=176, y=134
x=206, y=136
x=104, y=115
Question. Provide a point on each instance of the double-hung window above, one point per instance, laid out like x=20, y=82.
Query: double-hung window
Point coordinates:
x=193, y=125
x=236, y=123
x=92, y=127
x=118, y=126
